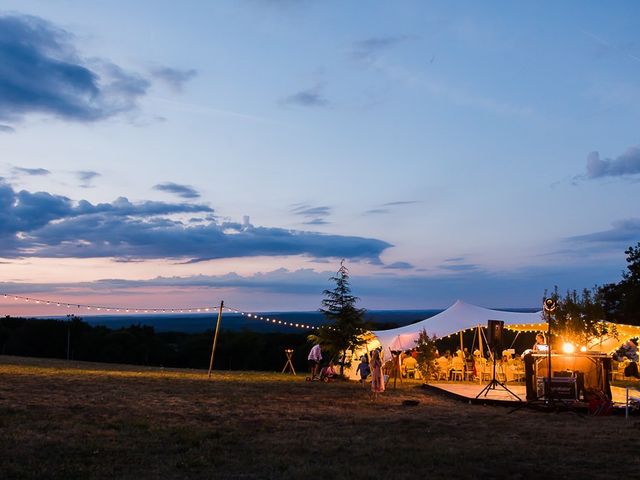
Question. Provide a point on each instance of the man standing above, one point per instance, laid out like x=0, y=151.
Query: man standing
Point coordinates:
x=315, y=355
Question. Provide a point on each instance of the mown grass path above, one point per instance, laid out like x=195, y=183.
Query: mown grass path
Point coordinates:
x=71, y=420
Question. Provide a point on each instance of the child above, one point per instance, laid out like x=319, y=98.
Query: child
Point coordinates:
x=363, y=369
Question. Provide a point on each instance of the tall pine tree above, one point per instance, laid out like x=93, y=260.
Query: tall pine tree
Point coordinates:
x=346, y=326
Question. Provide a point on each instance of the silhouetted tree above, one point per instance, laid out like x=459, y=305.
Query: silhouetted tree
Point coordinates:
x=427, y=354
x=621, y=301
x=579, y=317
x=345, y=331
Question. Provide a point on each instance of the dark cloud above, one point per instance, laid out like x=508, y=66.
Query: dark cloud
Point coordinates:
x=624, y=165
x=41, y=72
x=312, y=97
x=368, y=51
x=315, y=215
x=398, y=266
x=622, y=232
x=376, y=211
x=309, y=211
x=6, y=129
x=454, y=259
x=183, y=191
x=86, y=177
x=44, y=225
x=385, y=207
x=400, y=203
x=316, y=221
x=175, y=78
x=460, y=267
x=30, y=171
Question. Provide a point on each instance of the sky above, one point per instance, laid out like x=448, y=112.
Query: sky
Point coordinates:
x=165, y=154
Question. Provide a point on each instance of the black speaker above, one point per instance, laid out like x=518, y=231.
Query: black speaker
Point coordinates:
x=494, y=337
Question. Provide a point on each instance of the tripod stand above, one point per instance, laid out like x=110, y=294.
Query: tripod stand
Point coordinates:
x=494, y=383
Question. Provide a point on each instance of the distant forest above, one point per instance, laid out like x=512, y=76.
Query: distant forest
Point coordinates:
x=142, y=345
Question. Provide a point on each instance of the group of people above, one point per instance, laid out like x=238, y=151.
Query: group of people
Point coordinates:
x=372, y=366
x=465, y=365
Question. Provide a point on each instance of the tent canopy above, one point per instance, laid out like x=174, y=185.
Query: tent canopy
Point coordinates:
x=459, y=316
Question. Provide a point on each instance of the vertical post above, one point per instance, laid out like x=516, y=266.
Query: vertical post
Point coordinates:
x=461, y=344
x=480, y=341
x=215, y=337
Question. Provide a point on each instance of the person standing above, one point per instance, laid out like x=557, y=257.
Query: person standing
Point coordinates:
x=314, y=358
x=377, y=378
x=363, y=369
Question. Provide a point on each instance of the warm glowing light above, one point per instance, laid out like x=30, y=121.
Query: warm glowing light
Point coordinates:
x=583, y=349
x=568, y=347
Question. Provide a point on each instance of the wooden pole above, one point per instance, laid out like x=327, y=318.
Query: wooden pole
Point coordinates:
x=215, y=337
x=461, y=344
x=480, y=340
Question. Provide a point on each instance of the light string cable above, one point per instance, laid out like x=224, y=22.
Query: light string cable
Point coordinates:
x=139, y=310
x=270, y=319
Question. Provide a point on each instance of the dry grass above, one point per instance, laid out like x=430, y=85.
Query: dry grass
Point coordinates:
x=70, y=420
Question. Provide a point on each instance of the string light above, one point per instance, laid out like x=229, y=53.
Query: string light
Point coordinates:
x=116, y=309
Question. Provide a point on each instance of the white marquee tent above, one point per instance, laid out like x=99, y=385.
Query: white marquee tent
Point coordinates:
x=459, y=316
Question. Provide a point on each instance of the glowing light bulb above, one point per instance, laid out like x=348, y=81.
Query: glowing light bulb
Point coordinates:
x=568, y=347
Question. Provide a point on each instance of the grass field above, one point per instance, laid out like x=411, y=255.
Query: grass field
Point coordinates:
x=78, y=420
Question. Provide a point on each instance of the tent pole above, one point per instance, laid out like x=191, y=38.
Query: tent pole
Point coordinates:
x=473, y=342
x=461, y=344
x=514, y=340
x=480, y=341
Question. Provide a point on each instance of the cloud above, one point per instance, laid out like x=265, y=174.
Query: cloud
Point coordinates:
x=34, y=172
x=398, y=266
x=41, y=72
x=173, y=77
x=303, y=287
x=624, y=165
x=369, y=50
x=624, y=232
x=460, y=267
x=86, y=177
x=400, y=203
x=314, y=214
x=183, y=191
x=316, y=221
x=377, y=211
x=385, y=207
x=309, y=211
x=44, y=225
x=312, y=97
x=6, y=129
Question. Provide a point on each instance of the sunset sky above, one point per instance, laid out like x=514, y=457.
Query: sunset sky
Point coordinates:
x=165, y=154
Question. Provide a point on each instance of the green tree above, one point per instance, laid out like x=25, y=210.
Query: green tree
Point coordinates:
x=579, y=317
x=345, y=331
x=427, y=354
x=621, y=301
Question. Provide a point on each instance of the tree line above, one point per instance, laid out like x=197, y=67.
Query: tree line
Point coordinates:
x=142, y=345
x=584, y=314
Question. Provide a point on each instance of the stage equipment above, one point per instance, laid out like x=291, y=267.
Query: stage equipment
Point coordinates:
x=494, y=337
x=494, y=328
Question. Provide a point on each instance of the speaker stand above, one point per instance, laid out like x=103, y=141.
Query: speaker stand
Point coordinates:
x=494, y=383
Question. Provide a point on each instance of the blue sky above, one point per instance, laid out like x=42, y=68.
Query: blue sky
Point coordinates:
x=192, y=152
